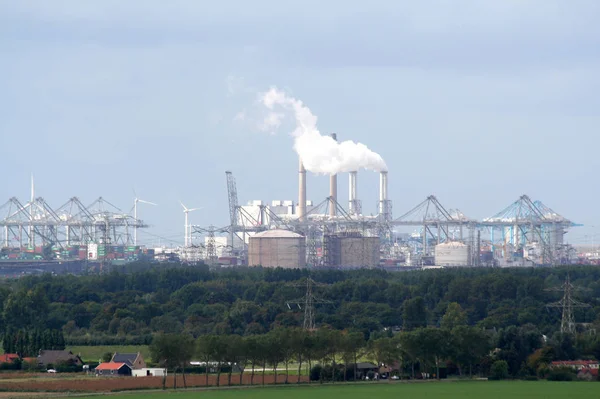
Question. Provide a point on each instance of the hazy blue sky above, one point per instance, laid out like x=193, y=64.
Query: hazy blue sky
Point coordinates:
x=476, y=102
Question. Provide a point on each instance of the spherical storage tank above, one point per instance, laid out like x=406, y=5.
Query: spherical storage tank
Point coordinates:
x=277, y=248
x=452, y=254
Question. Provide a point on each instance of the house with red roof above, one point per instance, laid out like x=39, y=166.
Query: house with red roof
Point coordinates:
x=113, y=369
x=576, y=364
x=588, y=374
x=8, y=357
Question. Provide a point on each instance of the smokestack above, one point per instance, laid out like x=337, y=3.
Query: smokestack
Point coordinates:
x=352, y=192
x=333, y=189
x=302, y=192
x=383, y=192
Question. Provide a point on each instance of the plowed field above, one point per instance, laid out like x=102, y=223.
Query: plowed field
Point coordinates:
x=58, y=383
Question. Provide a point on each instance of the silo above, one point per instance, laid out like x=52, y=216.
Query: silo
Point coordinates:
x=277, y=248
x=452, y=254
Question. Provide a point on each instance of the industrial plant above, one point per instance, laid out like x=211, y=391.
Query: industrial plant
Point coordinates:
x=329, y=234
x=294, y=234
x=333, y=232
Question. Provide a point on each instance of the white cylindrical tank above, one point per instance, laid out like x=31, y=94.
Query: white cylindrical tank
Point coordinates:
x=277, y=248
x=452, y=254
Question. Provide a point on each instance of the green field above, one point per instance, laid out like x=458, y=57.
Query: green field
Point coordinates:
x=384, y=390
x=93, y=353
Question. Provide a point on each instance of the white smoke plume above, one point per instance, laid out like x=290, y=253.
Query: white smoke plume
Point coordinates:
x=319, y=154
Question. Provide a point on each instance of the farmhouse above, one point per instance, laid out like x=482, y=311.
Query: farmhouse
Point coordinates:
x=134, y=360
x=587, y=374
x=112, y=369
x=52, y=358
x=8, y=357
x=576, y=364
x=362, y=369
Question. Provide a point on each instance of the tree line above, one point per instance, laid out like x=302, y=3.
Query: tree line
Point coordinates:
x=333, y=355
x=131, y=306
x=29, y=343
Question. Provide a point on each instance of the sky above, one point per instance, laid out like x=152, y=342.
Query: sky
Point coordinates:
x=474, y=102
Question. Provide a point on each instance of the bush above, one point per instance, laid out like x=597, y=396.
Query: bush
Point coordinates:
x=561, y=374
x=499, y=370
x=315, y=373
x=14, y=365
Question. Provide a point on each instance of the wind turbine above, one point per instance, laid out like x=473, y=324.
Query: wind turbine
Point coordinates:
x=187, y=239
x=135, y=202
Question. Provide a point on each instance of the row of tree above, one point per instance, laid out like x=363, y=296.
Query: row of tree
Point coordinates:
x=519, y=351
x=28, y=343
x=131, y=306
x=333, y=355
x=337, y=352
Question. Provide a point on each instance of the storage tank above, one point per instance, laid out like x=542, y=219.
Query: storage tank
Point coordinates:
x=452, y=254
x=277, y=248
x=352, y=251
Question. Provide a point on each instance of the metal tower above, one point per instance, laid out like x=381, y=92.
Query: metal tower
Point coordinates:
x=567, y=303
x=309, y=300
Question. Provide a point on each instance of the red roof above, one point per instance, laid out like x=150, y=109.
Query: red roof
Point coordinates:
x=574, y=362
x=110, y=366
x=8, y=357
x=593, y=372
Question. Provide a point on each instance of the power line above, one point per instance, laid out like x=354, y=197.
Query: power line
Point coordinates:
x=309, y=300
x=567, y=304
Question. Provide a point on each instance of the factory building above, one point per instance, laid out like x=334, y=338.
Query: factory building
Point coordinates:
x=452, y=253
x=351, y=251
x=277, y=248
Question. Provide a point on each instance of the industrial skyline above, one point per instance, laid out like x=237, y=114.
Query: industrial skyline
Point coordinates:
x=112, y=98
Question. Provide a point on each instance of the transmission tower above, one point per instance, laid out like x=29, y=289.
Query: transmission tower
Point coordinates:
x=567, y=304
x=309, y=300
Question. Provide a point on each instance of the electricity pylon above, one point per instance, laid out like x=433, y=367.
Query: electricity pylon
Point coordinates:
x=309, y=300
x=567, y=303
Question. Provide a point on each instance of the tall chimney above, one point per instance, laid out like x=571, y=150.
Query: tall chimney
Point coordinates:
x=352, y=192
x=333, y=189
x=302, y=193
x=383, y=192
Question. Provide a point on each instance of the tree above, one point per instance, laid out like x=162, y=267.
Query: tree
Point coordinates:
x=433, y=346
x=275, y=353
x=254, y=351
x=455, y=316
x=235, y=355
x=469, y=345
x=297, y=340
x=166, y=346
x=499, y=370
x=414, y=314
x=409, y=342
x=385, y=351
x=350, y=346
x=107, y=357
x=205, y=349
x=172, y=351
x=285, y=339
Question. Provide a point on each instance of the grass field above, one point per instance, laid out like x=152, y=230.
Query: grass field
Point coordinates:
x=93, y=353
x=384, y=390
